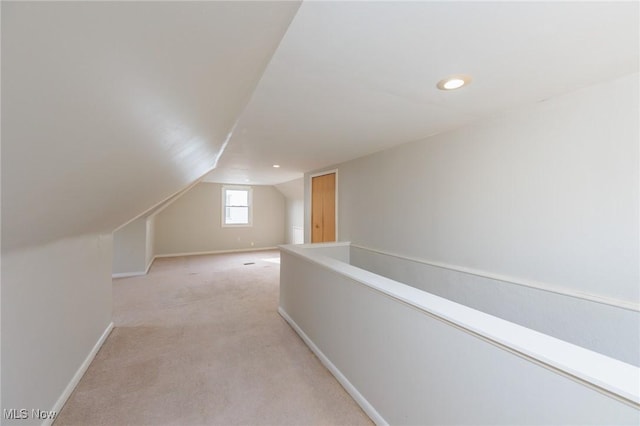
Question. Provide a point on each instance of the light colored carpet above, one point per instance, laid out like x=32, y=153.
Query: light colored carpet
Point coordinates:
x=199, y=341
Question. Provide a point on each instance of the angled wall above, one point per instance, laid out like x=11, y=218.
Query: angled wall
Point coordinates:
x=150, y=238
x=293, y=192
x=130, y=248
x=56, y=309
x=111, y=107
x=108, y=108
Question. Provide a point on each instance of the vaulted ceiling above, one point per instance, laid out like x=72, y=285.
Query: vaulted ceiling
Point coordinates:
x=109, y=108
x=353, y=78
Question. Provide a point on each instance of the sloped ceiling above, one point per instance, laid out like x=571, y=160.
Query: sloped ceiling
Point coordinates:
x=352, y=78
x=293, y=189
x=111, y=107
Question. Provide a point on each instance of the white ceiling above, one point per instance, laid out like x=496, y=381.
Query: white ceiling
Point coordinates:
x=352, y=78
x=111, y=107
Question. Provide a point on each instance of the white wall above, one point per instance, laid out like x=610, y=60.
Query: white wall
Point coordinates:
x=150, y=237
x=130, y=247
x=295, y=221
x=87, y=147
x=547, y=193
x=122, y=116
x=56, y=304
x=192, y=224
x=411, y=358
x=133, y=249
x=601, y=327
x=294, y=203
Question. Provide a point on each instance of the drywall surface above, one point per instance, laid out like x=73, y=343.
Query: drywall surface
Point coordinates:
x=125, y=103
x=548, y=193
x=338, y=251
x=130, y=248
x=293, y=192
x=133, y=247
x=295, y=221
x=149, y=241
x=603, y=328
x=411, y=358
x=192, y=224
x=56, y=304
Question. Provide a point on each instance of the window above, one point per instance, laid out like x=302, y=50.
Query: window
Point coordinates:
x=236, y=206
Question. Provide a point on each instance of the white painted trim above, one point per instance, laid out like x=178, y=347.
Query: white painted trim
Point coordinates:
x=346, y=384
x=146, y=271
x=134, y=274
x=322, y=173
x=127, y=274
x=171, y=200
x=604, y=374
x=223, y=203
x=316, y=245
x=196, y=253
x=325, y=172
x=624, y=304
x=76, y=378
x=200, y=253
x=296, y=230
x=174, y=197
x=161, y=205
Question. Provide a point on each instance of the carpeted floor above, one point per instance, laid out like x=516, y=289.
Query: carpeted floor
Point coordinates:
x=199, y=341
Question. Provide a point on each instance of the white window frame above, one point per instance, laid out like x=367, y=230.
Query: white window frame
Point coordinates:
x=249, y=189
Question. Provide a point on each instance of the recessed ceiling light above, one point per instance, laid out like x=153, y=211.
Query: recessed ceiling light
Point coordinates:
x=277, y=166
x=454, y=82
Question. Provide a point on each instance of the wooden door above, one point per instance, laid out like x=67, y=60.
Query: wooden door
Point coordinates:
x=323, y=208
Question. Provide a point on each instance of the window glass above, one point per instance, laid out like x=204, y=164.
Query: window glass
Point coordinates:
x=237, y=206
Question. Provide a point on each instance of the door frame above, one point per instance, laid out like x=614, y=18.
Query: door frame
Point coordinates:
x=311, y=176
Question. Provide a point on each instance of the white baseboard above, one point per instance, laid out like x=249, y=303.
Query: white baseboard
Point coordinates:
x=193, y=253
x=128, y=274
x=146, y=271
x=76, y=378
x=134, y=274
x=200, y=253
x=346, y=384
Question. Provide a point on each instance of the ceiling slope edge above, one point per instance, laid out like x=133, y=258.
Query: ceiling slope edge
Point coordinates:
x=110, y=107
